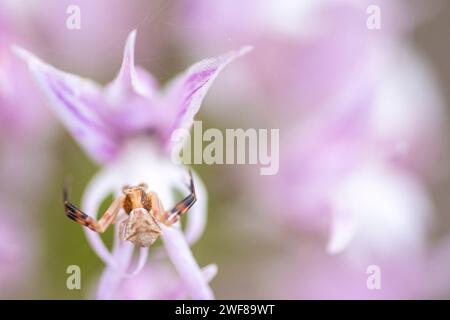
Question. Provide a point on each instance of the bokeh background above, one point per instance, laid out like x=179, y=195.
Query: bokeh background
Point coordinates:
x=363, y=117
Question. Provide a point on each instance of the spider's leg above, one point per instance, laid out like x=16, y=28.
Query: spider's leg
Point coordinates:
x=156, y=205
x=82, y=218
x=172, y=216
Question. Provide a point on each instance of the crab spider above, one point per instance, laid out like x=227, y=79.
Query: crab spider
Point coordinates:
x=144, y=210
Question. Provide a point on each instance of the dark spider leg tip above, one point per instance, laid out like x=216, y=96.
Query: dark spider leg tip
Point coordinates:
x=191, y=182
x=72, y=218
x=70, y=207
x=65, y=192
x=75, y=218
x=71, y=213
x=81, y=222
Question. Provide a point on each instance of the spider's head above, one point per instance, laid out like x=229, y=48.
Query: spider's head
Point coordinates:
x=135, y=196
x=128, y=190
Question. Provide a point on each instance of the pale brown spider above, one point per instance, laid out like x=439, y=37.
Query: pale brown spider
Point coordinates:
x=144, y=209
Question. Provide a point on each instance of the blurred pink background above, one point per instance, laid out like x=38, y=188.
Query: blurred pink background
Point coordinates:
x=364, y=157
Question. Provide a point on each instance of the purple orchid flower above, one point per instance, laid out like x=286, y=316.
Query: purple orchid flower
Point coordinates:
x=71, y=29
x=304, y=41
x=24, y=121
x=103, y=119
x=126, y=126
x=24, y=125
x=17, y=250
x=359, y=171
x=157, y=281
x=312, y=274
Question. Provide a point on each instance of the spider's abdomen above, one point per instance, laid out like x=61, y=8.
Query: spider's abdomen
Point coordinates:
x=141, y=228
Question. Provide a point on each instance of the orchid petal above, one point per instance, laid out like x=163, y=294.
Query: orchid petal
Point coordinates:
x=158, y=281
x=131, y=79
x=109, y=281
x=185, y=264
x=186, y=92
x=75, y=101
x=143, y=255
x=209, y=272
x=377, y=206
x=112, y=277
x=342, y=232
x=98, y=189
x=197, y=216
